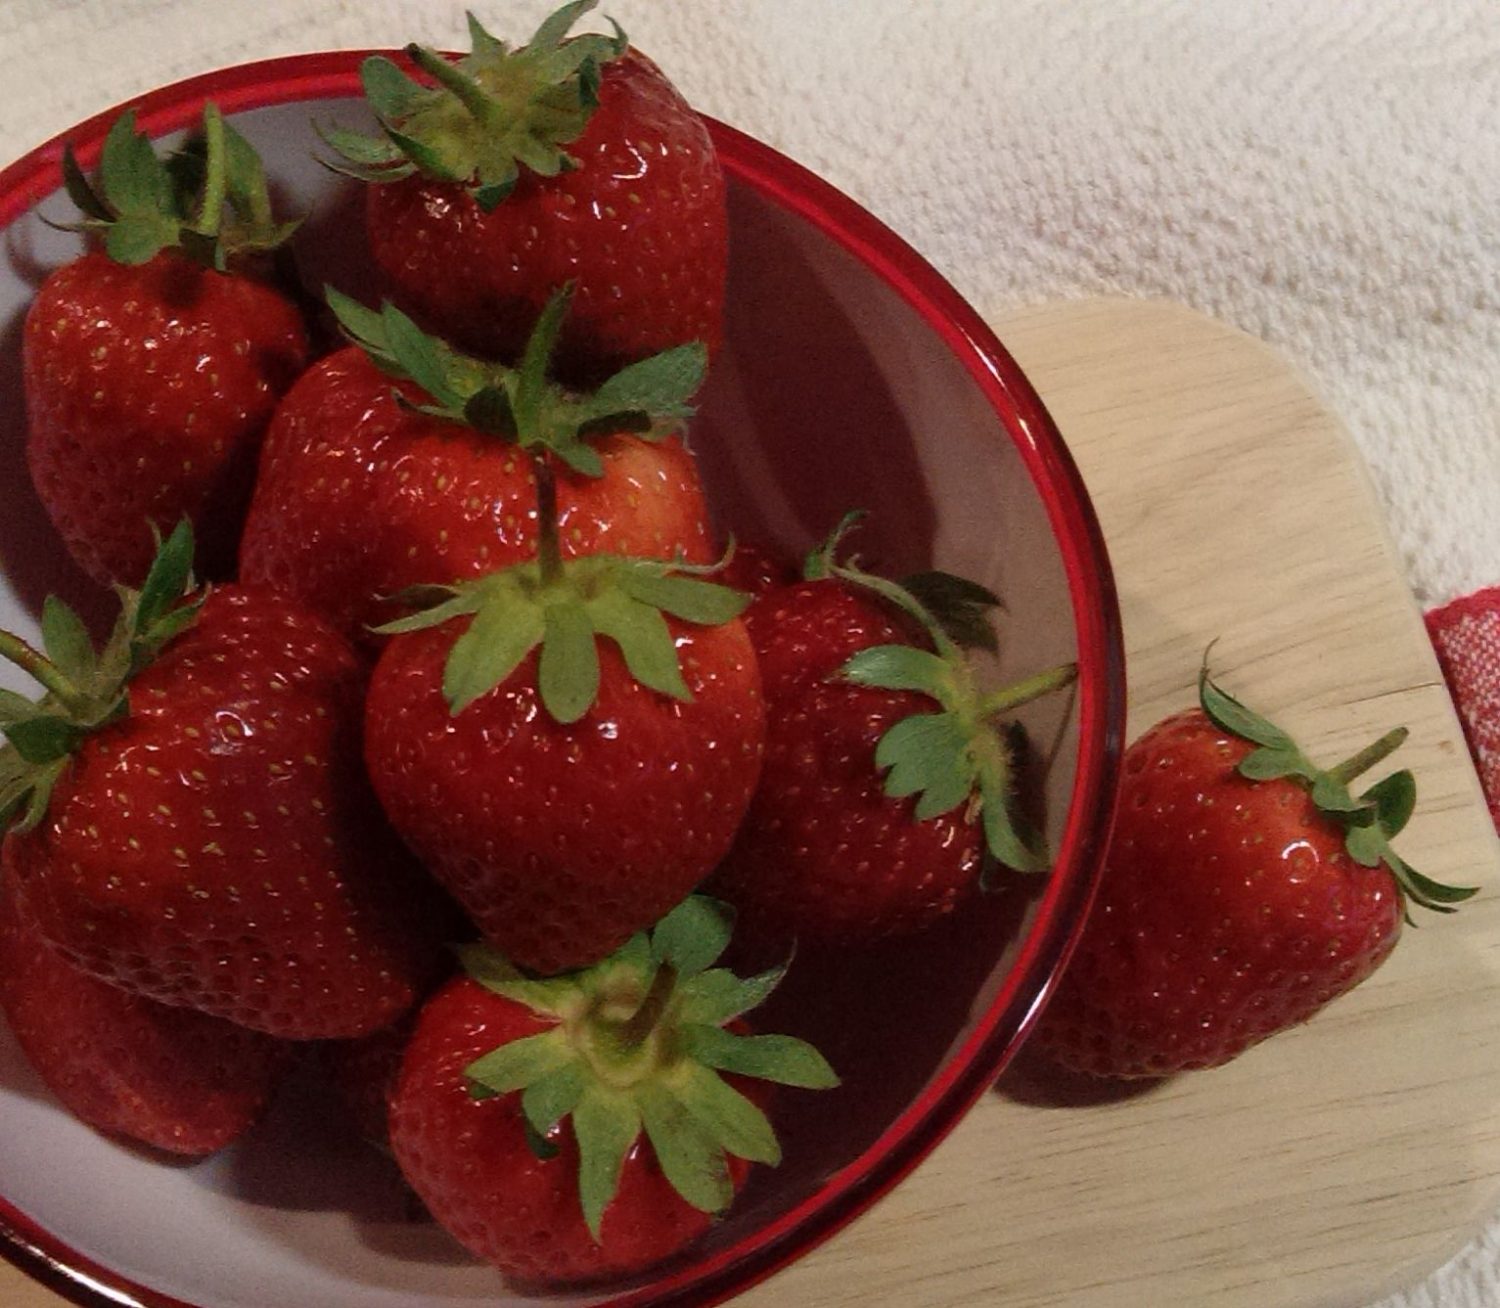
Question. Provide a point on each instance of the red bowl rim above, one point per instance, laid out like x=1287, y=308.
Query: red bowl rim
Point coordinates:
x=1101, y=682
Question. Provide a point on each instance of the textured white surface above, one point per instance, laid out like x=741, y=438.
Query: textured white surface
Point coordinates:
x=1325, y=176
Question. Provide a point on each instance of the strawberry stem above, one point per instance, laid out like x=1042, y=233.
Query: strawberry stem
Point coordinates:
x=215, y=179
x=548, y=546
x=465, y=89
x=1368, y=757
x=41, y=669
x=1034, y=687
x=633, y=1032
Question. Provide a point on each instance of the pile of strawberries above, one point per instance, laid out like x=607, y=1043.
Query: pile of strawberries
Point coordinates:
x=480, y=738
x=432, y=776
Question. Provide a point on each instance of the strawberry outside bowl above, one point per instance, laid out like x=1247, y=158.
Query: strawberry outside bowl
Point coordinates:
x=853, y=376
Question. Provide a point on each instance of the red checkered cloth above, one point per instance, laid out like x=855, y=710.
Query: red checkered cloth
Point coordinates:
x=1466, y=636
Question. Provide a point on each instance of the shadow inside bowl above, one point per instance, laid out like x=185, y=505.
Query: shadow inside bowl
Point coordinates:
x=33, y=561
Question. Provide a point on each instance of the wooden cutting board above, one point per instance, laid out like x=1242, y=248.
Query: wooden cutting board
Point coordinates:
x=1337, y=1162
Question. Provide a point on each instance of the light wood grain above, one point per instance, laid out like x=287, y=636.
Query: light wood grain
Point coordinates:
x=1336, y=1162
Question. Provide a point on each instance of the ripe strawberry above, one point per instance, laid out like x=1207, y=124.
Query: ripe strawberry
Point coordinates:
x=567, y=160
x=169, y=1077
x=519, y=1107
x=152, y=366
x=189, y=818
x=1244, y=888
x=368, y=484
x=758, y=569
x=860, y=680
x=568, y=795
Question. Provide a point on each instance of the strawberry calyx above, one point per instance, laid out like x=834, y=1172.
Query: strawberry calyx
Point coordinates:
x=209, y=199
x=485, y=115
x=85, y=686
x=565, y=607
x=1370, y=821
x=641, y=1042
x=962, y=754
x=522, y=405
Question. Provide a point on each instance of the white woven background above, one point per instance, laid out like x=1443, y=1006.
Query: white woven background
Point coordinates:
x=1324, y=175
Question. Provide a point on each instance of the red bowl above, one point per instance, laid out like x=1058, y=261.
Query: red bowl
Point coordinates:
x=853, y=375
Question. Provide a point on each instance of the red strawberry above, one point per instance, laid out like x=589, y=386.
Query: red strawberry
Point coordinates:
x=364, y=491
x=190, y=819
x=568, y=160
x=520, y=1104
x=758, y=569
x=861, y=680
x=1243, y=890
x=169, y=1077
x=562, y=799
x=150, y=371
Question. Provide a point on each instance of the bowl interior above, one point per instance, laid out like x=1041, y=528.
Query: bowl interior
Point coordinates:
x=835, y=391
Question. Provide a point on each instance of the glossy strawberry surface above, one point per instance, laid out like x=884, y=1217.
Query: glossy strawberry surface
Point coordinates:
x=1228, y=910
x=167, y=1077
x=562, y=840
x=639, y=228
x=470, y=1161
x=824, y=853
x=148, y=389
x=219, y=848
x=359, y=496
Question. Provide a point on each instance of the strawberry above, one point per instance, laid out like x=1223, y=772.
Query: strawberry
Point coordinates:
x=511, y=172
x=151, y=366
x=567, y=795
x=168, y=1077
x=401, y=462
x=520, y=1104
x=757, y=569
x=1244, y=888
x=189, y=818
x=885, y=782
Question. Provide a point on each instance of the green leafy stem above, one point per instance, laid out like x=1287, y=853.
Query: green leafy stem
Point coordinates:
x=565, y=607
x=85, y=687
x=210, y=199
x=959, y=754
x=522, y=405
x=488, y=114
x=1370, y=821
x=639, y=1042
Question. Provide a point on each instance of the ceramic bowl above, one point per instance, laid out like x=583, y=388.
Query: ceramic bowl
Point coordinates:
x=853, y=376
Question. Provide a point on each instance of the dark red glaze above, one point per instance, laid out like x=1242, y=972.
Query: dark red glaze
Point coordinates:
x=147, y=391
x=561, y=841
x=1229, y=909
x=167, y=1077
x=639, y=228
x=219, y=847
x=360, y=496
